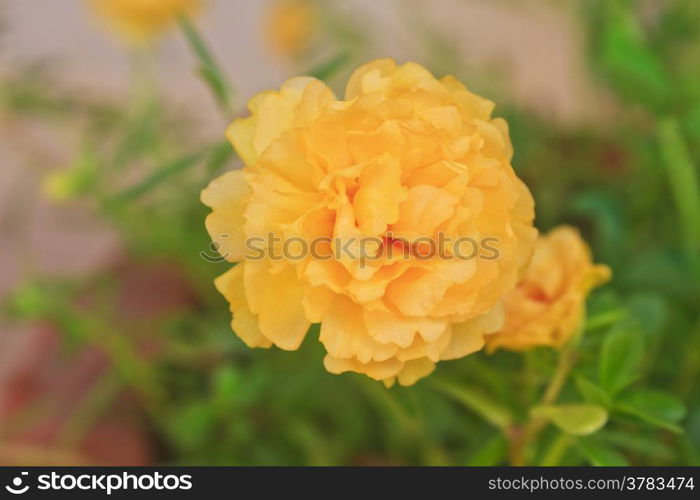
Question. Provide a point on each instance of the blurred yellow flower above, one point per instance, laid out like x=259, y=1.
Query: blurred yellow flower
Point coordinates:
x=289, y=26
x=548, y=305
x=403, y=158
x=60, y=186
x=139, y=21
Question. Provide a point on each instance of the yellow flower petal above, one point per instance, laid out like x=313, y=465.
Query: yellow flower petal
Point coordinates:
x=548, y=305
x=228, y=197
x=344, y=334
x=274, y=112
x=388, y=327
x=378, y=370
x=415, y=370
x=277, y=299
x=244, y=323
x=379, y=194
x=379, y=178
x=139, y=21
x=423, y=210
x=468, y=336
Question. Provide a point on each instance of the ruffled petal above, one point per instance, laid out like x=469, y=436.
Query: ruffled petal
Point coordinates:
x=277, y=299
x=244, y=323
x=228, y=196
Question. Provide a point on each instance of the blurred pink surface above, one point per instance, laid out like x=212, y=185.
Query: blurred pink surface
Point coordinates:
x=43, y=384
x=40, y=388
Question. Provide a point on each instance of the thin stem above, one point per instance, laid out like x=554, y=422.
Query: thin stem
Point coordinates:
x=209, y=69
x=521, y=438
x=410, y=426
x=567, y=359
x=89, y=410
x=491, y=411
x=556, y=450
x=165, y=172
x=688, y=377
x=684, y=183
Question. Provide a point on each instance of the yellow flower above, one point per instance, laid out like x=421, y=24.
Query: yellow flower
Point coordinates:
x=289, y=26
x=139, y=21
x=403, y=157
x=548, y=305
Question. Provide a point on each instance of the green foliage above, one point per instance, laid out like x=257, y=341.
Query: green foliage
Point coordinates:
x=624, y=55
x=599, y=454
x=620, y=357
x=683, y=178
x=654, y=407
x=592, y=392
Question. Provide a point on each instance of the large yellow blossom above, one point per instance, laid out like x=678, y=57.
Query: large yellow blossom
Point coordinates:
x=548, y=305
x=403, y=156
x=139, y=21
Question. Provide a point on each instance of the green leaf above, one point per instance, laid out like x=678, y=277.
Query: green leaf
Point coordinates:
x=601, y=455
x=31, y=300
x=579, y=419
x=607, y=215
x=650, y=310
x=626, y=58
x=83, y=177
x=164, y=173
x=191, y=424
x=605, y=318
x=632, y=441
x=226, y=385
x=620, y=357
x=493, y=452
x=592, y=392
x=647, y=418
x=659, y=403
x=657, y=408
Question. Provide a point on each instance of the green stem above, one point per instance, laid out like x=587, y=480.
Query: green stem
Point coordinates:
x=497, y=415
x=567, y=359
x=330, y=67
x=143, y=79
x=392, y=409
x=410, y=427
x=522, y=438
x=127, y=363
x=165, y=172
x=209, y=69
x=683, y=179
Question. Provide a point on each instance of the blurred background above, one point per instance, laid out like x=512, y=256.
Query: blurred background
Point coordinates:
x=116, y=349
